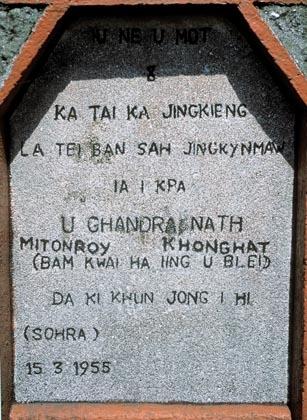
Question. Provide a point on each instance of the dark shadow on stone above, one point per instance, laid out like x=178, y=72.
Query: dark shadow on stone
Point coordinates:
x=81, y=55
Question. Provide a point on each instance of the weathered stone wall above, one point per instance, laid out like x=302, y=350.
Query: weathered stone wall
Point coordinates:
x=289, y=24
x=16, y=24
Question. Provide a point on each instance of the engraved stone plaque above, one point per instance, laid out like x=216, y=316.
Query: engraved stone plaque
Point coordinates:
x=151, y=191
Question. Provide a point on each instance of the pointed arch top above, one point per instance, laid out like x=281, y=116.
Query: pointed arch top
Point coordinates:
x=56, y=10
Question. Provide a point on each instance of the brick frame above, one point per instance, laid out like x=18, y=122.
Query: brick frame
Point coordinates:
x=297, y=84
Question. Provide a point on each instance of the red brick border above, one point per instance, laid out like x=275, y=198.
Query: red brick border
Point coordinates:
x=147, y=412
x=30, y=51
x=297, y=83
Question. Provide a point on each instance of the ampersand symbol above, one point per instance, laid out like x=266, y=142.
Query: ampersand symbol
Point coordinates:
x=151, y=75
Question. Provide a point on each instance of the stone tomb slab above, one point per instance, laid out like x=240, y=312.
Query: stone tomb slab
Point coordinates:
x=151, y=190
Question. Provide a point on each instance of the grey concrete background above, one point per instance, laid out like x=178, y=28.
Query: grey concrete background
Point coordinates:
x=287, y=22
